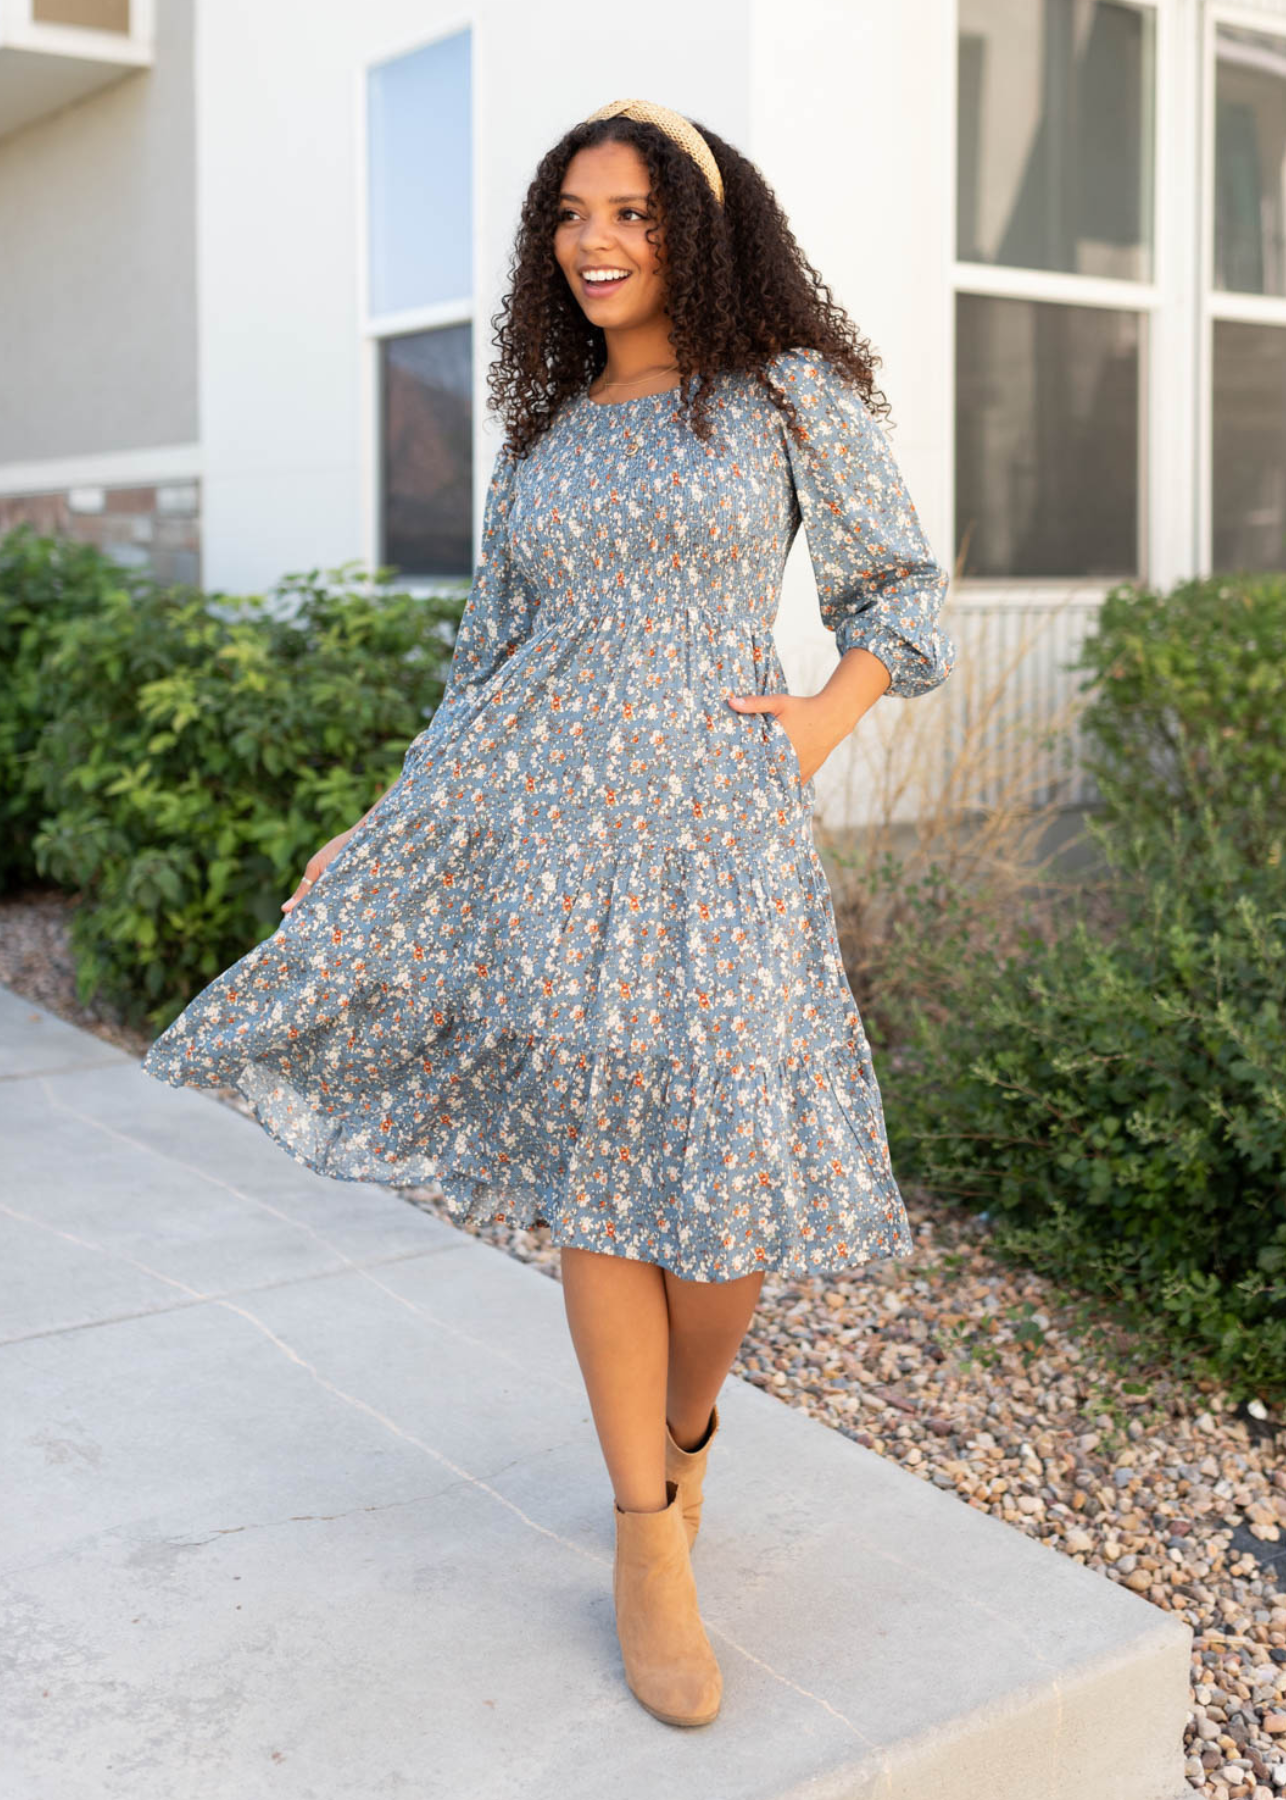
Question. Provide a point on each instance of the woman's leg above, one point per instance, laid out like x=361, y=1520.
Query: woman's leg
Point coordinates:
x=708, y=1320
x=616, y=1311
x=652, y=1348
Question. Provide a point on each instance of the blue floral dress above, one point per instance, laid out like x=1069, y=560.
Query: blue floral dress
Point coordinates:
x=580, y=967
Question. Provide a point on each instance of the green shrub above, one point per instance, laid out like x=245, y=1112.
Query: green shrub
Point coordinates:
x=196, y=751
x=1189, y=706
x=1116, y=1101
x=1109, y=1084
x=44, y=584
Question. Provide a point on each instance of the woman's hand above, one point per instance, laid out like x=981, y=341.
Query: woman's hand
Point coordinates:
x=329, y=851
x=812, y=722
x=315, y=866
x=815, y=723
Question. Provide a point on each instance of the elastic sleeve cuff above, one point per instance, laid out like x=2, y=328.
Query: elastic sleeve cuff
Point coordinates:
x=915, y=667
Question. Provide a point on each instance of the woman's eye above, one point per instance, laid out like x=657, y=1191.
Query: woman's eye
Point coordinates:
x=626, y=212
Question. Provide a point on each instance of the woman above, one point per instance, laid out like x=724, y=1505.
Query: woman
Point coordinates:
x=579, y=963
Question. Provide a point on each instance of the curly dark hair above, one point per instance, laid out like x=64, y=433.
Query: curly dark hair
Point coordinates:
x=739, y=289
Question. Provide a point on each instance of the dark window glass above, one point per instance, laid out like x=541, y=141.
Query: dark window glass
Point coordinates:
x=1055, y=127
x=1249, y=449
x=427, y=451
x=1047, y=438
x=1250, y=162
x=90, y=15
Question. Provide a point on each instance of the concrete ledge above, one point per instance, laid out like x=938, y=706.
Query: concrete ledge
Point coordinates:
x=33, y=1041
x=304, y=1500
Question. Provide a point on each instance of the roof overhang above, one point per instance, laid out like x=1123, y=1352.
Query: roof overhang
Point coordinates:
x=45, y=67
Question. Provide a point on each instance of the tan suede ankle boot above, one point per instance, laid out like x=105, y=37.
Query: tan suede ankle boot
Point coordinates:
x=687, y=1468
x=669, y=1664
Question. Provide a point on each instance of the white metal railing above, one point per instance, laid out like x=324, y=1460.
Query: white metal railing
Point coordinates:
x=1012, y=686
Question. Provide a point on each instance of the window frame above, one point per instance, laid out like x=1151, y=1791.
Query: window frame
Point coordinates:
x=1219, y=305
x=374, y=328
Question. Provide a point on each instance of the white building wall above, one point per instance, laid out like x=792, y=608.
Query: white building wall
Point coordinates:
x=285, y=379
x=97, y=277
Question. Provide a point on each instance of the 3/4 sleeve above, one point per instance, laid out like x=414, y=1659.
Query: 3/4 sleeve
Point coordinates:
x=879, y=585
x=500, y=611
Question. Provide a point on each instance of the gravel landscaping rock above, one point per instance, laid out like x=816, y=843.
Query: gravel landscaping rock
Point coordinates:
x=982, y=1379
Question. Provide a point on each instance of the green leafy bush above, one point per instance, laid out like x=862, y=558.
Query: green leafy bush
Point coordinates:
x=1113, y=1092
x=195, y=751
x=1118, y=1103
x=1188, y=706
x=45, y=583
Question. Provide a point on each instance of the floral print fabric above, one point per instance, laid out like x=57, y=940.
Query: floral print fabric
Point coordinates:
x=580, y=965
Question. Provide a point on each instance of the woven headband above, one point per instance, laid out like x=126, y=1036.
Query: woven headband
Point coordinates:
x=675, y=126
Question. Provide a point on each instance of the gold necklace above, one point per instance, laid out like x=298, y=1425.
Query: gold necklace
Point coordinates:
x=660, y=368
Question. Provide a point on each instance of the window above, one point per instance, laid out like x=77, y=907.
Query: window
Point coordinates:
x=1250, y=162
x=421, y=236
x=1054, y=248
x=1055, y=137
x=419, y=305
x=426, y=462
x=1047, y=435
x=1248, y=303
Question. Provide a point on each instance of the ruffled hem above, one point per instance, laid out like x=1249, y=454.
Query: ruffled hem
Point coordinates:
x=651, y=1047
x=711, y=1171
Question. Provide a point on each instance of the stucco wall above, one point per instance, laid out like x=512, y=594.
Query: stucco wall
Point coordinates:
x=98, y=295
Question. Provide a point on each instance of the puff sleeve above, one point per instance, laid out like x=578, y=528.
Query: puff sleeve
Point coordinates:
x=500, y=611
x=879, y=585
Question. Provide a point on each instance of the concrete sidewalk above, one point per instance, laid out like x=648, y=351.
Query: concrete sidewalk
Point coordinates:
x=302, y=1499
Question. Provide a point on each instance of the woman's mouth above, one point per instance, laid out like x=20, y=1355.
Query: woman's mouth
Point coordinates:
x=608, y=281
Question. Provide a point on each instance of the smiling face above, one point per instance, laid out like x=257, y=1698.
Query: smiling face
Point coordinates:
x=603, y=218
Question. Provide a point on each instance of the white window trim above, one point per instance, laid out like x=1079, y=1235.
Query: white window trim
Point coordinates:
x=373, y=328
x=1219, y=303
x=1051, y=284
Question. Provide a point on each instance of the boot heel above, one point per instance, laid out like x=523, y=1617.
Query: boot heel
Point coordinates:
x=670, y=1667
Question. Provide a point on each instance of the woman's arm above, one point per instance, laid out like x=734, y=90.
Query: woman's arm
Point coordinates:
x=880, y=588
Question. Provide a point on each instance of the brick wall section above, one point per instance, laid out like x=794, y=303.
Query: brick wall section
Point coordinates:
x=156, y=528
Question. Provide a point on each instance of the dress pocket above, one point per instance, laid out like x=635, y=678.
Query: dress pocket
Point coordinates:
x=785, y=750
